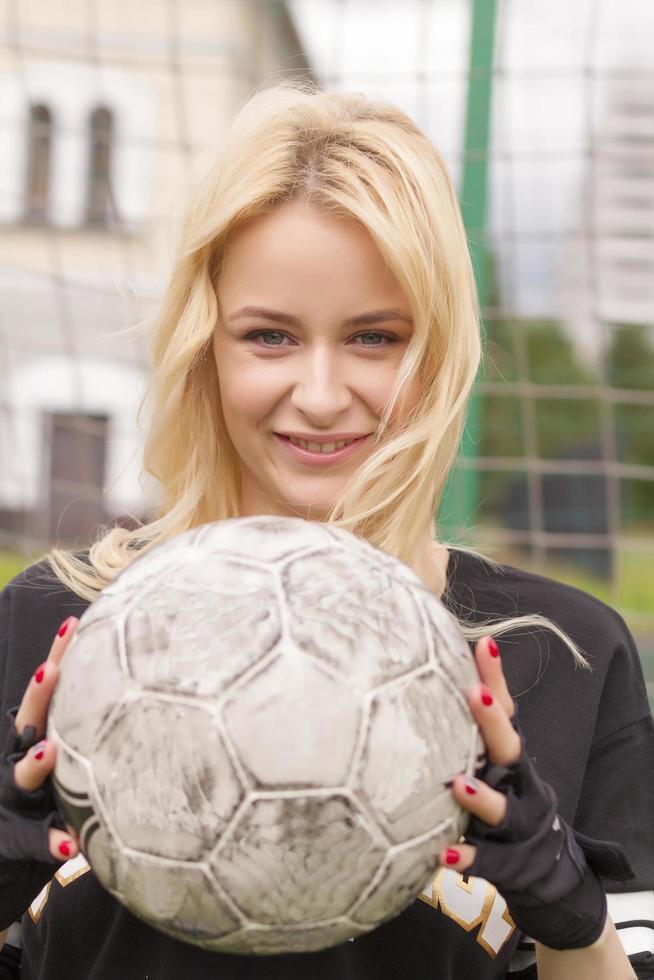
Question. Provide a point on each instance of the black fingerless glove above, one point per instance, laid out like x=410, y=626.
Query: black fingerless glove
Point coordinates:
x=26, y=864
x=547, y=872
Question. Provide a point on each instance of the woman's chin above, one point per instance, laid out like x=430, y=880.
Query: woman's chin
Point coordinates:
x=310, y=510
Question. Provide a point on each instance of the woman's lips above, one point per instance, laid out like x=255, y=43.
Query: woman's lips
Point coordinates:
x=320, y=459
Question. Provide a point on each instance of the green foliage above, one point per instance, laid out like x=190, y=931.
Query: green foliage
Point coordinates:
x=631, y=366
x=635, y=433
x=10, y=565
x=631, y=357
x=632, y=590
x=551, y=356
x=502, y=426
x=567, y=428
x=550, y=359
x=564, y=428
x=500, y=355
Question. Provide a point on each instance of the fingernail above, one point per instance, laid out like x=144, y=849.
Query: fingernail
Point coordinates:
x=471, y=785
x=486, y=696
x=38, y=674
x=493, y=648
x=39, y=749
x=452, y=856
x=64, y=848
x=64, y=626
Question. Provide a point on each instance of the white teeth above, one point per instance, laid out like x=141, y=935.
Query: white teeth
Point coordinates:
x=317, y=447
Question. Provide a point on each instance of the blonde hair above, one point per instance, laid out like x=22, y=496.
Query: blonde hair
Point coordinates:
x=346, y=155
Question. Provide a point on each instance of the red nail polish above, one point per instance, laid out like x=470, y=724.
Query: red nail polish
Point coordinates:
x=486, y=696
x=471, y=786
x=64, y=848
x=452, y=856
x=39, y=750
x=38, y=674
x=64, y=626
x=493, y=648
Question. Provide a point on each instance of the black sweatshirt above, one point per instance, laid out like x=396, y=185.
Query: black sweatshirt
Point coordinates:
x=590, y=735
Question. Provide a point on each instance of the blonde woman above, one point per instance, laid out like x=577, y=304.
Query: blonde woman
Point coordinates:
x=313, y=356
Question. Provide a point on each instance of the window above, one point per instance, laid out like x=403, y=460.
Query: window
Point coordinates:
x=74, y=472
x=98, y=207
x=38, y=164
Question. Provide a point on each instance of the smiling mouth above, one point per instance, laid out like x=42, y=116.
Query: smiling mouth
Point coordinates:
x=321, y=449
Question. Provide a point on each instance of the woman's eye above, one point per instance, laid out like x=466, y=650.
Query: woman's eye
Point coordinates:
x=373, y=333
x=278, y=334
x=267, y=333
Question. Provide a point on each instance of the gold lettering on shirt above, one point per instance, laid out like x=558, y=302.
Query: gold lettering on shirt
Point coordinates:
x=66, y=875
x=469, y=904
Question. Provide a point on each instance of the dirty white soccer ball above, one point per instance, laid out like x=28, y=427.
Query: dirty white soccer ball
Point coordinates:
x=255, y=723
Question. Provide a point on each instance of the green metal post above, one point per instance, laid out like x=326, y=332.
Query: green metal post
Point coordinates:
x=462, y=492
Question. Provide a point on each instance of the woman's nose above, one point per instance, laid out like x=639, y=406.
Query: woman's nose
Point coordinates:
x=321, y=387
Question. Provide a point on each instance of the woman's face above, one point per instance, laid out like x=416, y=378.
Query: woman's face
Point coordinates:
x=305, y=368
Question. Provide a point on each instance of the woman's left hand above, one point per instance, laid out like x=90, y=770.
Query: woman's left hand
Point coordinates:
x=547, y=872
x=492, y=707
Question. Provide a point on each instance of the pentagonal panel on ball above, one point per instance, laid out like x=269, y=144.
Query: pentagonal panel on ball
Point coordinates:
x=179, y=898
x=299, y=860
x=404, y=873
x=91, y=684
x=147, y=566
x=267, y=538
x=105, y=855
x=355, y=615
x=106, y=606
x=201, y=630
x=451, y=650
x=418, y=738
x=165, y=779
x=293, y=724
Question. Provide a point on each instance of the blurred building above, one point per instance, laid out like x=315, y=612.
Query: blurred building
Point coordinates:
x=609, y=267
x=104, y=122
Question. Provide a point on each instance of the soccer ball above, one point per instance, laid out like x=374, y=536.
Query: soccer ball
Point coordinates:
x=255, y=724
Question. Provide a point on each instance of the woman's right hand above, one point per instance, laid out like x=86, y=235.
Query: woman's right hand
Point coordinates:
x=31, y=771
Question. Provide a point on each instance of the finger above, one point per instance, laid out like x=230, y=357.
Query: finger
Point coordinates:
x=36, y=764
x=502, y=741
x=73, y=833
x=63, y=638
x=36, y=700
x=489, y=665
x=62, y=845
x=480, y=799
x=458, y=857
x=29, y=774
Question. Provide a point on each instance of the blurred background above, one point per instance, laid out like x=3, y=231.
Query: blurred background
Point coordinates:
x=544, y=113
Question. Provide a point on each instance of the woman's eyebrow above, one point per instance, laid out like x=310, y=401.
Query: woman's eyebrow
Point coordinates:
x=372, y=316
